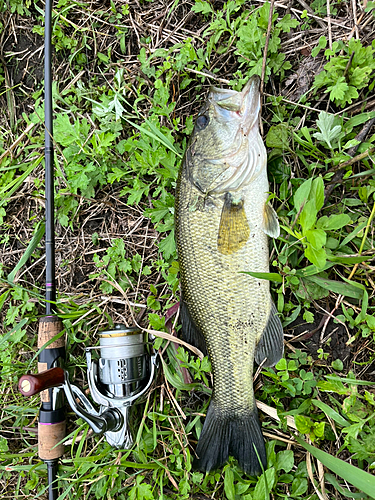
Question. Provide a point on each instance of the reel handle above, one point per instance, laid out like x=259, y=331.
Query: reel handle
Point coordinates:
x=29, y=385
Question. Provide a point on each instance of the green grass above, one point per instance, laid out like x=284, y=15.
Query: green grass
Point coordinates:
x=125, y=99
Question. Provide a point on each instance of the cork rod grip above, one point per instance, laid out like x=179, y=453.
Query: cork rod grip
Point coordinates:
x=51, y=427
x=32, y=384
x=49, y=326
x=49, y=435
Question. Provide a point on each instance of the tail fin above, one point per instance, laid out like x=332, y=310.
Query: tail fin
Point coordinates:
x=235, y=435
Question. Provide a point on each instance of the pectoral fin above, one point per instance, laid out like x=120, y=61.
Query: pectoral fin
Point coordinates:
x=271, y=342
x=234, y=229
x=270, y=222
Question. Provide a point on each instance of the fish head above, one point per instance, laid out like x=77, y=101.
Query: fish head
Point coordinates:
x=224, y=130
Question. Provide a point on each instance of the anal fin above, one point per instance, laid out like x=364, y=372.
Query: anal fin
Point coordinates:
x=234, y=229
x=190, y=332
x=271, y=342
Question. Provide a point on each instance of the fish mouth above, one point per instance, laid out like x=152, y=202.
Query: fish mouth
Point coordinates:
x=243, y=106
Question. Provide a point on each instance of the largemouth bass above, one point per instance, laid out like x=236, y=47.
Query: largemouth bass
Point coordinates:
x=222, y=222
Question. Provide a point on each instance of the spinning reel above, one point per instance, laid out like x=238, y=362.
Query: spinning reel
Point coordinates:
x=120, y=377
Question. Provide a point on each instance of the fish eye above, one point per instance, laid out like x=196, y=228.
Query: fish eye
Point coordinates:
x=202, y=122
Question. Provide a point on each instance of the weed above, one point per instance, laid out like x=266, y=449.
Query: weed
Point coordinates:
x=346, y=73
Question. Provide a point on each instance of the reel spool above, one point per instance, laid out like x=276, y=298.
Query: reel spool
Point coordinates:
x=120, y=377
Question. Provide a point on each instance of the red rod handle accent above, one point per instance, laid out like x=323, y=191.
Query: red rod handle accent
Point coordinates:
x=32, y=384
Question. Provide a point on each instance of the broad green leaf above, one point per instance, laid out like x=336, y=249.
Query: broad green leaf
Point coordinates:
x=156, y=214
x=350, y=144
x=299, y=486
x=3, y=297
x=229, y=484
x=3, y=444
x=335, y=386
x=302, y=194
x=355, y=284
x=308, y=216
x=285, y=460
x=65, y=133
x=316, y=257
x=357, y=477
x=265, y=484
x=277, y=137
x=359, y=76
x=355, y=202
x=303, y=423
x=351, y=94
x=316, y=237
x=281, y=364
x=322, y=44
x=346, y=289
x=319, y=429
x=286, y=23
x=241, y=488
x=336, y=221
x=311, y=291
x=312, y=270
x=293, y=316
x=358, y=120
x=167, y=245
x=141, y=490
x=370, y=320
x=332, y=243
x=317, y=192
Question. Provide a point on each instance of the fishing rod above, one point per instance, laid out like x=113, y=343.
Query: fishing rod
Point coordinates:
x=121, y=376
x=51, y=342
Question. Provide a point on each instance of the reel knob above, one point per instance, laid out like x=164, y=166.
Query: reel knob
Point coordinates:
x=33, y=384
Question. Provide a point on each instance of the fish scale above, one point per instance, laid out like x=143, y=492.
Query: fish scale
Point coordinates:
x=218, y=296
x=233, y=312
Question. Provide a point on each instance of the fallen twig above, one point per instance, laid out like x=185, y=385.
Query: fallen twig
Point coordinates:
x=20, y=139
x=266, y=46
